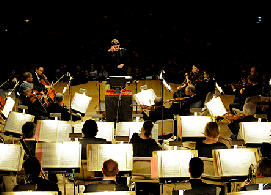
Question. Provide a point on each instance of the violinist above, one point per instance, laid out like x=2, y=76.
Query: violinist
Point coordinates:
x=59, y=107
x=159, y=112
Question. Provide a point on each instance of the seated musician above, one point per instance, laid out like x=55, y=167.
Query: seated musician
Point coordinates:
x=59, y=107
x=34, y=181
x=249, y=109
x=28, y=130
x=143, y=144
x=39, y=79
x=110, y=171
x=30, y=99
x=263, y=170
x=211, y=142
x=159, y=112
x=89, y=130
x=196, y=168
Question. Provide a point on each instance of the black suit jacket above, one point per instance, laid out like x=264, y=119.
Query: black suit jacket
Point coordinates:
x=201, y=188
x=95, y=187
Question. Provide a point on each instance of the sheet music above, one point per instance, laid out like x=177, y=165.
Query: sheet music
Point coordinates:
x=30, y=193
x=54, y=130
x=216, y=107
x=16, y=120
x=256, y=132
x=193, y=126
x=174, y=163
x=98, y=153
x=8, y=106
x=61, y=155
x=146, y=97
x=10, y=157
x=236, y=162
x=105, y=130
x=80, y=102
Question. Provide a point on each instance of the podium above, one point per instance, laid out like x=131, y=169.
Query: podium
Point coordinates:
x=118, y=106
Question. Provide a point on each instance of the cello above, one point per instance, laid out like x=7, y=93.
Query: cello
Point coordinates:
x=50, y=90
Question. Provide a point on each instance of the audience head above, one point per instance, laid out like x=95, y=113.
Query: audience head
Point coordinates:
x=211, y=130
x=147, y=128
x=28, y=129
x=110, y=168
x=90, y=128
x=249, y=108
x=264, y=168
x=32, y=167
x=196, y=167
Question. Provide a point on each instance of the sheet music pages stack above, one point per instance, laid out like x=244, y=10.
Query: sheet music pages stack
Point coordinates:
x=105, y=130
x=8, y=106
x=11, y=157
x=251, y=192
x=128, y=128
x=16, y=120
x=171, y=163
x=80, y=102
x=31, y=193
x=255, y=132
x=234, y=162
x=193, y=126
x=53, y=130
x=98, y=153
x=216, y=107
x=145, y=97
x=59, y=155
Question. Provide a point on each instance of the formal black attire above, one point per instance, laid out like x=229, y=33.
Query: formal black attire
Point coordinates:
x=37, y=84
x=201, y=188
x=255, y=187
x=159, y=113
x=205, y=150
x=89, y=140
x=143, y=147
x=194, y=101
x=64, y=111
x=116, y=58
x=94, y=187
x=42, y=185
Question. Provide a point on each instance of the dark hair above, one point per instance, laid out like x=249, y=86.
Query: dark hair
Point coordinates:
x=90, y=128
x=211, y=130
x=28, y=129
x=115, y=42
x=264, y=167
x=148, y=125
x=196, y=167
x=58, y=97
x=32, y=167
x=158, y=101
x=110, y=168
x=26, y=75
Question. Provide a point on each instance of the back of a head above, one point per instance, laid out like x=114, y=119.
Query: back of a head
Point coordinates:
x=196, y=167
x=110, y=168
x=264, y=167
x=32, y=167
x=211, y=130
x=158, y=101
x=90, y=128
x=148, y=125
x=28, y=129
x=249, y=108
x=26, y=75
x=58, y=97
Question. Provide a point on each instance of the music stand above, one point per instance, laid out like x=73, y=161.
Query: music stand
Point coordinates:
x=9, y=104
x=117, y=83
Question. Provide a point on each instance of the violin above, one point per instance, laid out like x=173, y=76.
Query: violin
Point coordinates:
x=144, y=107
x=230, y=117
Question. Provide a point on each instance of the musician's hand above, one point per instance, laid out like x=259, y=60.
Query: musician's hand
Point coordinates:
x=120, y=66
x=245, y=183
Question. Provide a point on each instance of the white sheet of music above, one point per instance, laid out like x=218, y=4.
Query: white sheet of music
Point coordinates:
x=146, y=97
x=193, y=126
x=256, y=132
x=16, y=120
x=54, y=130
x=174, y=163
x=122, y=153
x=80, y=102
x=8, y=106
x=216, y=107
x=105, y=130
x=236, y=162
x=61, y=155
x=10, y=155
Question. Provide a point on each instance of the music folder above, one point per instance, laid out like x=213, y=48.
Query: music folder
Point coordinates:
x=234, y=162
x=53, y=130
x=98, y=153
x=11, y=157
x=216, y=107
x=59, y=156
x=16, y=120
x=9, y=104
x=255, y=132
x=192, y=126
x=171, y=163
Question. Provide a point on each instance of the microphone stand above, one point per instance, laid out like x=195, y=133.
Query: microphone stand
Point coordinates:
x=70, y=101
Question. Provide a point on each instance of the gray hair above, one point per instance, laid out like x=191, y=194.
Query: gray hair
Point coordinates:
x=249, y=108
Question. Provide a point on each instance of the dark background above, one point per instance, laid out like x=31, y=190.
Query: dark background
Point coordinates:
x=224, y=41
